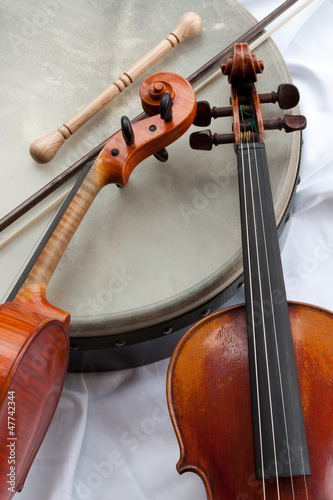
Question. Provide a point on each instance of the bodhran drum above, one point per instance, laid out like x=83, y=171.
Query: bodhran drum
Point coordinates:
x=153, y=258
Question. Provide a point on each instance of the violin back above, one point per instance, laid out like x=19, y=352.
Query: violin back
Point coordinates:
x=208, y=390
x=34, y=353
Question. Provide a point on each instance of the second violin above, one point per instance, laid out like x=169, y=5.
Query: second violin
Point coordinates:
x=34, y=344
x=250, y=389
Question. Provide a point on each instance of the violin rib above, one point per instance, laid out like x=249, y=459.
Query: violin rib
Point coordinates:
x=34, y=352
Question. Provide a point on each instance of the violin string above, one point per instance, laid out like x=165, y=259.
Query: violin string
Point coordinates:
x=247, y=135
x=254, y=334
x=263, y=321
x=274, y=322
x=304, y=476
x=274, y=328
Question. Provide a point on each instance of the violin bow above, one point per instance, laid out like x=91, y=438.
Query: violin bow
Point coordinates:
x=58, y=181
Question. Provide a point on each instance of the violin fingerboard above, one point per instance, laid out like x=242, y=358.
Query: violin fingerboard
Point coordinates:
x=278, y=424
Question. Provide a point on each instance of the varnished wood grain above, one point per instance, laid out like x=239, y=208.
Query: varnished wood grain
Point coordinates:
x=208, y=392
x=34, y=353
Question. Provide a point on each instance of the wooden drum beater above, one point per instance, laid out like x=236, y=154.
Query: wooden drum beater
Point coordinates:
x=45, y=148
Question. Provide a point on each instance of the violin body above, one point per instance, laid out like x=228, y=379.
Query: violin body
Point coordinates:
x=210, y=404
x=34, y=352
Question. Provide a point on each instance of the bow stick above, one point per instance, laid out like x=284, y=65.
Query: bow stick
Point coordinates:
x=76, y=167
x=45, y=148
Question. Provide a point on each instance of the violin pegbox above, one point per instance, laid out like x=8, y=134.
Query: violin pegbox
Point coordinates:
x=170, y=104
x=157, y=98
x=242, y=69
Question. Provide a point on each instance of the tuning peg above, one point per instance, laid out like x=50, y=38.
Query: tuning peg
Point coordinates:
x=166, y=107
x=287, y=96
x=205, y=140
x=127, y=130
x=162, y=155
x=202, y=140
x=205, y=113
x=290, y=123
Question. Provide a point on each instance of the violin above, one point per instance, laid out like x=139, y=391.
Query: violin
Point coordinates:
x=250, y=388
x=34, y=343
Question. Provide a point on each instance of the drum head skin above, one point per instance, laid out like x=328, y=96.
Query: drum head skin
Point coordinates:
x=152, y=258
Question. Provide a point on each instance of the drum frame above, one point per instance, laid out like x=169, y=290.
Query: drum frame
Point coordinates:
x=122, y=351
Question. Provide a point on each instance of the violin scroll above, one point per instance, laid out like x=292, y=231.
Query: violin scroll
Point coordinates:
x=152, y=134
x=242, y=67
x=152, y=91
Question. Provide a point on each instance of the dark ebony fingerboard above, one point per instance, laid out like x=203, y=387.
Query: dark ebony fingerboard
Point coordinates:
x=278, y=426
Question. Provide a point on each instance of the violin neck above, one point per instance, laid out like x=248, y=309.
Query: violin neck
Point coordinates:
x=278, y=426
x=43, y=263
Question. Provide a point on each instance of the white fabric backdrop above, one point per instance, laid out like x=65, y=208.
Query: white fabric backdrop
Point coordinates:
x=111, y=436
